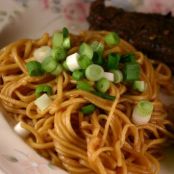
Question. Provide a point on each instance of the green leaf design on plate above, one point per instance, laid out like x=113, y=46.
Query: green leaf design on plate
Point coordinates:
x=50, y=165
x=11, y=158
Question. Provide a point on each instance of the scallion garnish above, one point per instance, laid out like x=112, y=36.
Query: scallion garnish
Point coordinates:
x=113, y=61
x=78, y=74
x=94, y=72
x=98, y=59
x=72, y=62
x=58, y=70
x=112, y=39
x=57, y=39
x=84, y=86
x=109, y=76
x=34, y=68
x=49, y=64
x=127, y=58
x=103, y=85
x=65, y=32
x=86, y=50
x=41, y=89
x=104, y=95
x=142, y=112
x=43, y=102
x=118, y=76
x=66, y=43
x=131, y=71
x=65, y=66
x=88, y=109
x=84, y=61
x=41, y=52
x=139, y=85
x=97, y=47
x=58, y=53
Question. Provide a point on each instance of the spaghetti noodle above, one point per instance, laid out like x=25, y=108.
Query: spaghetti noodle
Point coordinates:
x=104, y=142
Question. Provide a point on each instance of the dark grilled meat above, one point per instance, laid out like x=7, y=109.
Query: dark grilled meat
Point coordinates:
x=153, y=34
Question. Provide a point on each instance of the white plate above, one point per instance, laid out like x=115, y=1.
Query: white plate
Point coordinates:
x=22, y=19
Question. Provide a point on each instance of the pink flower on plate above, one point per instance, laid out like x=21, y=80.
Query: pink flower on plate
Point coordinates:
x=157, y=6
x=76, y=11
x=30, y=164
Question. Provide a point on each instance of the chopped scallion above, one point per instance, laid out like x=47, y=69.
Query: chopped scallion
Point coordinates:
x=58, y=53
x=67, y=43
x=84, y=61
x=97, y=47
x=139, y=85
x=77, y=74
x=118, y=76
x=57, y=39
x=130, y=57
x=94, y=72
x=65, y=66
x=113, y=61
x=86, y=50
x=65, y=32
x=104, y=95
x=84, y=86
x=142, y=112
x=88, y=109
x=103, y=85
x=112, y=39
x=43, y=102
x=72, y=62
x=41, y=89
x=49, y=64
x=34, y=68
x=58, y=70
x=97, y=59
x=131, y=71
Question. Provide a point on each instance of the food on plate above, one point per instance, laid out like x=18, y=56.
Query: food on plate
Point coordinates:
x=150, y=33
x=89, y=103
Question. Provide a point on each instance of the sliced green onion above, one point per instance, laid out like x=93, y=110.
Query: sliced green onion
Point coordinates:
x=41, y=52
x=86, y=50
x=67, y=43
x=131, y=71
x=130, y=57
x=112, y=39
x=58, y=53
x=84, y=86
x=142, y=112
x=40, y=89
x=118, y=76
x=78, y=74
x=65, y=32
x=84, y=61
x=104, y=95
x=58, y=70
x=97, y=47
x=109, y=76
x=88, y=109
x=43, y=102
x=103, y=85
x=97, y=59
x=72, y=62
x=139, y=85
x=65, y=66
x=57, y=39
x=94, y=72
x=34, y=68
x=113, y=61
x=49, y=64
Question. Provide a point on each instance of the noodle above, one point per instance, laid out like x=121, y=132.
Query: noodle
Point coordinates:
x=105, y=142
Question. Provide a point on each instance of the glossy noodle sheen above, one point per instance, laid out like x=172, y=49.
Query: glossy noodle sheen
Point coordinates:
x=105, y=142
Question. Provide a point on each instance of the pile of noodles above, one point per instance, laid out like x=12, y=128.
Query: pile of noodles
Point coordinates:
x=105, y=142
